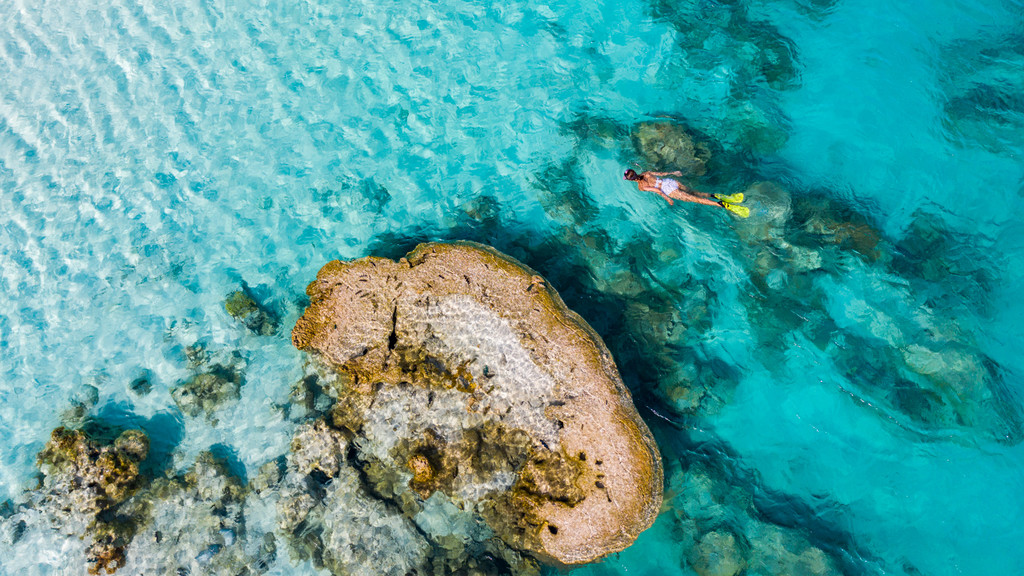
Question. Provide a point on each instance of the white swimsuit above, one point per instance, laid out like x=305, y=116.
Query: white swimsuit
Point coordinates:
x=667, y=186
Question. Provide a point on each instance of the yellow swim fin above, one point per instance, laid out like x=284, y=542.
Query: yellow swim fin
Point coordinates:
x=741, y=211
x=736, y=198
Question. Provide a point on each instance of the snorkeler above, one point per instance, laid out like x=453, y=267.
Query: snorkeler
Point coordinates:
x=670, y=189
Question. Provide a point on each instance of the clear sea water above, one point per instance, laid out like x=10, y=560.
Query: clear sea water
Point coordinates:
x=154, y=156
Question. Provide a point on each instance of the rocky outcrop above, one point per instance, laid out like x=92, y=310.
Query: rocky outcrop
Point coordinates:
x=467, y=390
x=119, y=520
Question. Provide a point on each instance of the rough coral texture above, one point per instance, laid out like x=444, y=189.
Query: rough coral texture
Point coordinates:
x=216, y=382
x=195, y=524
x=463, y=376
x=84, y=480
x=93, y=491
x=333, y=520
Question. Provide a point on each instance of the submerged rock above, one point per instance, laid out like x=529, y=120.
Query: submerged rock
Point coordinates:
x=956, y=261
x=667, y=146
x=771, y=207
x=982, y=101
x=879, y=312
x=82, y=401
x=722, y=532
x=217, y=381
x=207, y=391
x=241, y=306
x=307, y=399
x=467, y=389
x=717, y=554
x=826, y=222
x=142, y=384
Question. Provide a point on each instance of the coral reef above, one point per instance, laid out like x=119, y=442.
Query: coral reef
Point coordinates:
x=86, y=477
x=895, y=342
x=757, y=51
x=463, y=383
x=333, y=520
x=740, y=61
x=93, y=491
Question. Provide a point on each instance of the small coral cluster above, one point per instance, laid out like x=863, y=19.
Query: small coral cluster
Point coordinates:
x=85, y=481
x=217, y=377
x=242, y=306
x=216, y=381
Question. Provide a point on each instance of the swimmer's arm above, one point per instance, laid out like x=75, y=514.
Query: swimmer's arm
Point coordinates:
x=675, y=173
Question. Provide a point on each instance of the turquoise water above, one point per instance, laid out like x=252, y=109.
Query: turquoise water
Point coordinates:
x=156, y=156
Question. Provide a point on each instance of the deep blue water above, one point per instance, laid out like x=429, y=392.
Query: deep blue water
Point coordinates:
x=156, y=155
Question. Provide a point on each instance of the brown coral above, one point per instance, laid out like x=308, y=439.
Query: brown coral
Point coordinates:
x=485, y=387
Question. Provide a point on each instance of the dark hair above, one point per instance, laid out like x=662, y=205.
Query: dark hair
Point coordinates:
x=631, y=175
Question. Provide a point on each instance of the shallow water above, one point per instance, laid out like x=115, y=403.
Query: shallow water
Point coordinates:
x=156, y=156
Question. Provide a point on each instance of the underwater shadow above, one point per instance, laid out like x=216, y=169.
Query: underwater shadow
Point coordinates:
x=164, y=429
x=229, y=457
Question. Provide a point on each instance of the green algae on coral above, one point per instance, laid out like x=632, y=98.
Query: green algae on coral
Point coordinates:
x=241, y=306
